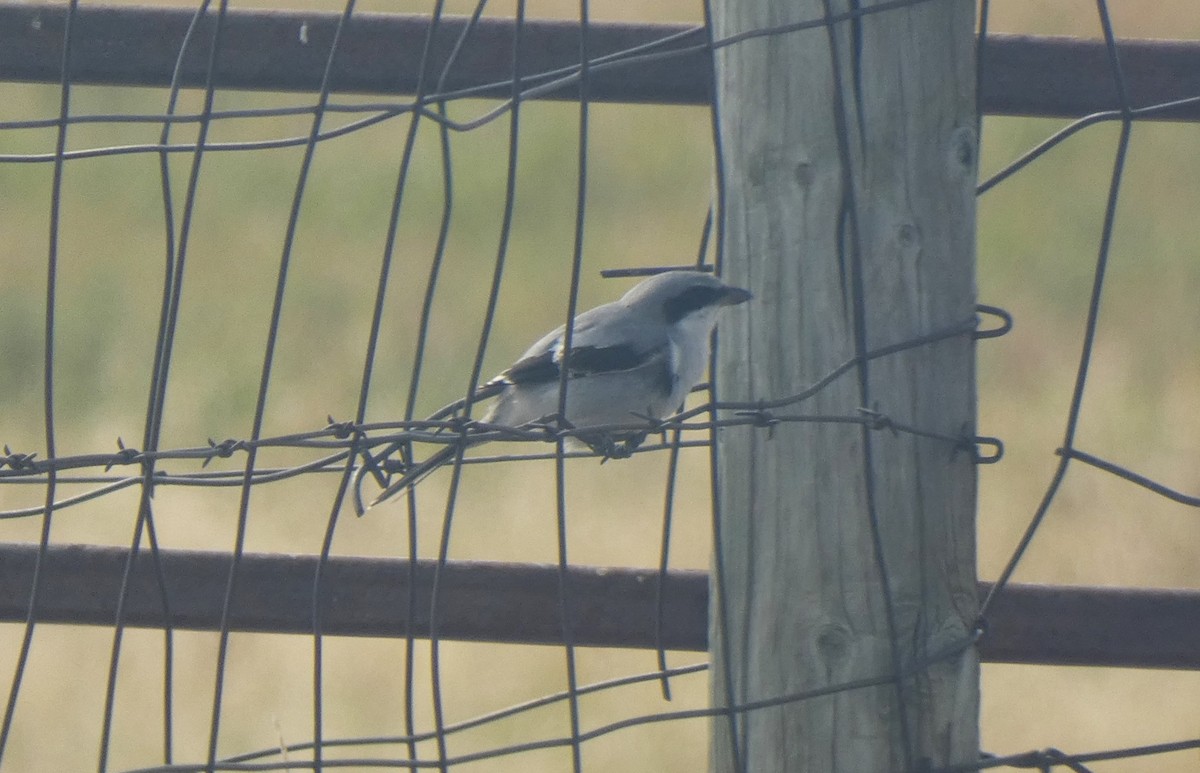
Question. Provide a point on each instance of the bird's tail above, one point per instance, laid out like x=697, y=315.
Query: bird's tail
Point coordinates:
x=415, y=475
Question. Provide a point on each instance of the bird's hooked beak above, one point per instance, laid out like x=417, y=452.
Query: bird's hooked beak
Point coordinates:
x=735, y=295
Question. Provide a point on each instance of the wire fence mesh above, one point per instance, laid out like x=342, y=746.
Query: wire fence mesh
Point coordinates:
x=188, y=264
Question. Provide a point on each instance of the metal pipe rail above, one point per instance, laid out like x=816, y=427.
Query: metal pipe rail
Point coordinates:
x=381, y=54
x=519, y=603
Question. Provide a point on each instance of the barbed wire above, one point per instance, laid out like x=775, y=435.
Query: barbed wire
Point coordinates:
x=352, y=448
x=353, y=439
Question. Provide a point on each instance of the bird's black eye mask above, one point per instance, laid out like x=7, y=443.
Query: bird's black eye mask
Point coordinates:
x=691, y=299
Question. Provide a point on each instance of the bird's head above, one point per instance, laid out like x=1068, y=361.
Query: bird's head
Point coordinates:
x=675, y=296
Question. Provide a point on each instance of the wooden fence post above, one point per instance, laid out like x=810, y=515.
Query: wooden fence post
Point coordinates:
x=847, y=552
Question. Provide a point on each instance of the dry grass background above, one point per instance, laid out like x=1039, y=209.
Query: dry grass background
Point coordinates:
x=649, y=184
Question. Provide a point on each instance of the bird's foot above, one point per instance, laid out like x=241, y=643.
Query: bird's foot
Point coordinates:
x=609, y=447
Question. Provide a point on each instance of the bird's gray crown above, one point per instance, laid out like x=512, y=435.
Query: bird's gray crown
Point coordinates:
x=679, y=293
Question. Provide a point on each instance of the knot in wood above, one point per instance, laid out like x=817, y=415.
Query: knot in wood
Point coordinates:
x=962, y=149
x=803, y=172
x=774, y=167
x=833, y=645
x=756, y=172
x=908, y=238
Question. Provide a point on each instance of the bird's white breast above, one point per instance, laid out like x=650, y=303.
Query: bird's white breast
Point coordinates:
x=690, y=350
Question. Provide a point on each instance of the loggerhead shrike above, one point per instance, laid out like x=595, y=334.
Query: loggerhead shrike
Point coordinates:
x=630, y=360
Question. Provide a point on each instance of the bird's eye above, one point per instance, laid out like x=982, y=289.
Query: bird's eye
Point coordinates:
x=693, y=298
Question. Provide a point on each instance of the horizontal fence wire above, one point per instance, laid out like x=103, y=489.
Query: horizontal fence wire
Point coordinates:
x=441, y=60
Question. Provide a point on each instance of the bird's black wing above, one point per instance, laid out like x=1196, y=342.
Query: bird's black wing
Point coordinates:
x=593, y=351
x=543, y=368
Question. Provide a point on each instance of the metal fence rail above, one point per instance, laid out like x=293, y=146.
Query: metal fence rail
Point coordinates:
x=661, y=63
x=519, y=603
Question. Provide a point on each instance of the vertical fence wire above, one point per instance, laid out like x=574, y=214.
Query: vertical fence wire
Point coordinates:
x=48, y=380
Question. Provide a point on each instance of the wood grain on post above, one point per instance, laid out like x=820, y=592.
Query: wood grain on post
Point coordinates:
x=849, y=166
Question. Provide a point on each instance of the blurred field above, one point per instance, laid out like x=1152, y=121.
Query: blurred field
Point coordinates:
x=649, y=185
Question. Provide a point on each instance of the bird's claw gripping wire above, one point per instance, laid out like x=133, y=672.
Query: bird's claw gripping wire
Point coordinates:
x=609, y=447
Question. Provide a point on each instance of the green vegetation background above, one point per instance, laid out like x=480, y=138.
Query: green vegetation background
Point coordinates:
x=649, y=185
